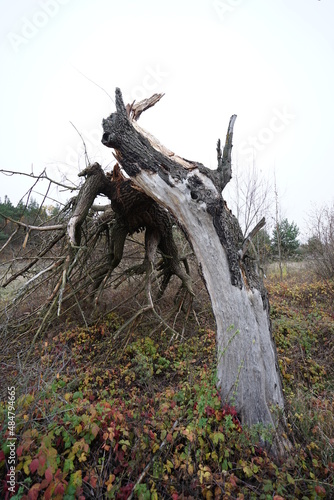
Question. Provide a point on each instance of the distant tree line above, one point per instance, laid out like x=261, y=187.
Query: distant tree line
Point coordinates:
x=30, y=213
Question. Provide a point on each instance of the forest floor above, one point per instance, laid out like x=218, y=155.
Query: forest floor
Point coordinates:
x=106, y=412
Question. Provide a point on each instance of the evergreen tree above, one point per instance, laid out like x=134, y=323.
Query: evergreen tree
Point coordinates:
x=29, y=213
x=285, y=234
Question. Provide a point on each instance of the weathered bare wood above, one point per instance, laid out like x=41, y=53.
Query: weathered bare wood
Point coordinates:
x=248, y=373
x=135, y=109
x=97, y=184
x=224, y=168
x=251, y=236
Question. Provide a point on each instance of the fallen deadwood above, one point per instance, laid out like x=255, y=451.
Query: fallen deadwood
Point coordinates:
x=248, y=372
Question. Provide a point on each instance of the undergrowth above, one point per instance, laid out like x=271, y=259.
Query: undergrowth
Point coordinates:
x=142, y=418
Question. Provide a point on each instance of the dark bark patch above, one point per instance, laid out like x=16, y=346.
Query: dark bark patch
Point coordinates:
x=230, y=235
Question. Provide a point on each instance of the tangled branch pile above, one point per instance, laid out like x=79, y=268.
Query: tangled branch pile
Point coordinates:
x=64, y=267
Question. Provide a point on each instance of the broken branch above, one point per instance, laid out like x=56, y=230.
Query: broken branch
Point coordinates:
x=250, y=237
x=56, y=227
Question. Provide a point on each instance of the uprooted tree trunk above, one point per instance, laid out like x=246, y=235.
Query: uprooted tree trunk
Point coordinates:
x=248, y=372
x=133, y=211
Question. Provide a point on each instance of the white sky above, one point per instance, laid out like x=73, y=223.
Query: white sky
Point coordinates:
x=268, y=61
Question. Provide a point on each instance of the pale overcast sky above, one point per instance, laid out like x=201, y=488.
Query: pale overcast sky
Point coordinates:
x=268, y=61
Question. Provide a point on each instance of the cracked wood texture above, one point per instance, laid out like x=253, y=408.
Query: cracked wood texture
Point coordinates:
x=247, y=368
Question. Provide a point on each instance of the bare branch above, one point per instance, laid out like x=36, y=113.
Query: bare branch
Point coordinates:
x=224, y=158
x=83, y=142
x=250, y=237
x=250, y=196
x=9, y=240
x=97, y=85
x=96, y=182
x=228, y=142
x=56, y=227
x=42, y=176
x=134, y=110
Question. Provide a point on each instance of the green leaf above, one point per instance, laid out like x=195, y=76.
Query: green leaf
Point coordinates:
x=68, y=465
x=70, y=492
x=268, y=487
x=77, y=395
x=76, y=479
x=248, y=471
x=218, y=436
x=225, y=465
x=290, y=479
x=126, y=442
